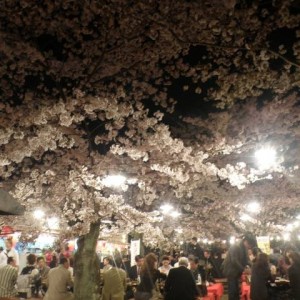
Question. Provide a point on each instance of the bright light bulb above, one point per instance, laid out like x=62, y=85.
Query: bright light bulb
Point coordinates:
x=38, y=214
x=266, y=158
x=232, y=240
x=253, y=207
x=114, y=180
x=166, y=208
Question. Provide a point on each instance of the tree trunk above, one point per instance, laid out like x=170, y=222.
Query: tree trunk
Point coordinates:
x=87, y=266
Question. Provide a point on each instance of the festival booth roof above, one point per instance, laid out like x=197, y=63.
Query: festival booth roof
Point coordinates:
x=9, y=205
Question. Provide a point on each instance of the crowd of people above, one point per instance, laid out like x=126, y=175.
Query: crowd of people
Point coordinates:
x=185, y=275
x=48, y=276
x=246, y=258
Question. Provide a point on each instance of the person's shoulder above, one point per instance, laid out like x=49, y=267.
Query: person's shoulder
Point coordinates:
x=121, y=271
x=174, y=270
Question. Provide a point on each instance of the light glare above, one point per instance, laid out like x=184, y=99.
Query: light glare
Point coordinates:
x=266, y=158
x=114, y=180
x=253, y=207
x=175, y=214
x=166, y=208
x=232, y=240
x=38, y=214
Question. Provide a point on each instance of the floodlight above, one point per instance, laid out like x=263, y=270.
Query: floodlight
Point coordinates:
x=266, y=158
x=253, y=207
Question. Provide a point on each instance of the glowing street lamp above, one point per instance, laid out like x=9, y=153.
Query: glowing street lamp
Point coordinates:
x=266, y=158
x=253, y=207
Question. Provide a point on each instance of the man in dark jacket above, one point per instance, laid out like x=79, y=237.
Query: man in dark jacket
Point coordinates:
x=235, y=262
x=194, y=249
x=134, y=271
x=180, y=283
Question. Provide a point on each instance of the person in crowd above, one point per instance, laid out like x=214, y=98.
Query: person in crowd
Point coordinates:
x=275, y=257
x=149, y=276
x=11, y=252
x=180, y=283
x=166, y=267
x=217, y=263
x=176, y=265
x=3, y=258
x=48, y=257
x=294, y=274
x=107, y=263
x=8, y=280
x=32, y=272
x=53, y=263
x=135, y=271
x=172, y=260
x=253, y=254
x=114, y=282
x=57, y=253
x=198, y=273
x=284, y=263
x=58, y=282
x=125, y=264
x=261, y=274
x=67, y=253
x=195, y=249
x=235, y=262
x=43, y=275
x=208, y=265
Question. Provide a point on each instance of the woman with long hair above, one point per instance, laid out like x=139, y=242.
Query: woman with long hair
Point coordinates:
x=149, y=276
x=260, y=275
x=294, y=274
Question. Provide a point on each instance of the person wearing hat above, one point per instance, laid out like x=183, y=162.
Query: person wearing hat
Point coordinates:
x=235, y=263
x=3, y=258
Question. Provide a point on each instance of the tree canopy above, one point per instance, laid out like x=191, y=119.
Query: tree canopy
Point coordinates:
x=176, y=96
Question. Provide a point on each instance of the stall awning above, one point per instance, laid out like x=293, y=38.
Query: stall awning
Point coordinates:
x=9, y=205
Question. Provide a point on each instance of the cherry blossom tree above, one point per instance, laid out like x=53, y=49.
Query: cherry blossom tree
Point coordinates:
x=91, y=89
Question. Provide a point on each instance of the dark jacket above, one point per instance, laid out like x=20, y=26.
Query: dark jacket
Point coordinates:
x=132, y=273
x=180, y=285
x=294, y=276
x=195, y=250
x=148, y=282
x=235, y=261
x=259, y=280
